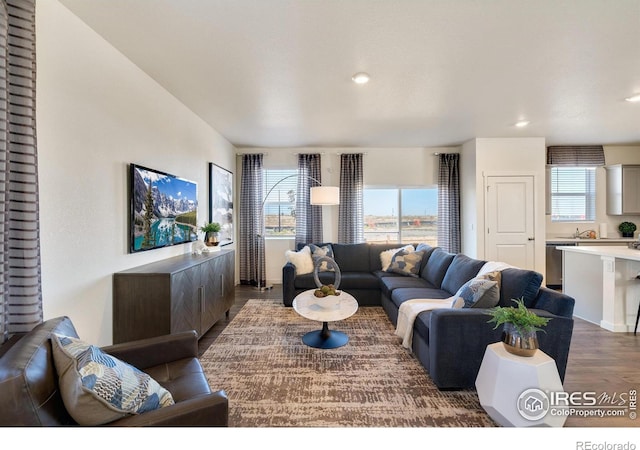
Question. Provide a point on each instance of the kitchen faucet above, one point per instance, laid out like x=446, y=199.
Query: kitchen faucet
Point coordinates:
x=579, y=233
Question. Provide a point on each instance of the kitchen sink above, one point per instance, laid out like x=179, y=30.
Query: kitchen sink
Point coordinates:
x=585, y=238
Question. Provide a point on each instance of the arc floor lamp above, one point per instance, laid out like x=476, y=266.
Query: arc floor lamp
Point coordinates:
x=318, y=196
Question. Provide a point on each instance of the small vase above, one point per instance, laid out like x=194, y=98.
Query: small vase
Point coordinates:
x=517, y=343
x=211, y=239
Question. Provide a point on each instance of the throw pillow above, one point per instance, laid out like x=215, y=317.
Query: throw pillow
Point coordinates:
x=301, y=260
x=479, y=293
x=387, y=255
x=423, y=247
x=320, y=252
x=97, y=388
x=492, y=276
x=406, y=263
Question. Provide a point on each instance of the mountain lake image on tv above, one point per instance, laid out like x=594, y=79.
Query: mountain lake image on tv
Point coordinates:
x=163, y=209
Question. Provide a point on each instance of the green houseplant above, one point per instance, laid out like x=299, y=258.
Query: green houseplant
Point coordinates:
x=211, y=231
x=627, y=229
x=520, y=327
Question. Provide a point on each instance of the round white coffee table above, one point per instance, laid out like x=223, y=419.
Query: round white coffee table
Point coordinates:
x=326, y=309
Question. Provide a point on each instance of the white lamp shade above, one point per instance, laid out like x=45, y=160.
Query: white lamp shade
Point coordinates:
x=325, y=195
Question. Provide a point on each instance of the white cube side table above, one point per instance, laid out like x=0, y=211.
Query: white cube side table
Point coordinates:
x=512, y=388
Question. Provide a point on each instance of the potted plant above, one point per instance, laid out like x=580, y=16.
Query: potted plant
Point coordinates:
x=627, y=229
x=211, y=231
x=520, y=327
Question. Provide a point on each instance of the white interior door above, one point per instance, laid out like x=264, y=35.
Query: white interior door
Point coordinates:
x=509, y=220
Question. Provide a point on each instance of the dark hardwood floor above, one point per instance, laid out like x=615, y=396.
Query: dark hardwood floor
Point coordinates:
x=599, y=361
x=243, y=293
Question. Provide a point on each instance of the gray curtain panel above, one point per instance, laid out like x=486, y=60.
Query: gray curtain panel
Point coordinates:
x=20, y=281
x=449, y=202
x=251, y=239
x=308, y=217
x=351, y=212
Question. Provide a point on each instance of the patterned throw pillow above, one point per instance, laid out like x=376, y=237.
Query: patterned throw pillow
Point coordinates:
x=320, y=252
x=301, y=260
x=387, y=255
x=479, y=293
x=97, y=388
x=492, y=276
x=406, y=263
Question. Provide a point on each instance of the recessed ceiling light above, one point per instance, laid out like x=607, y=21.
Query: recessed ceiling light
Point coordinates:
x=522, y=123
x=633, y=98
x=360, y=78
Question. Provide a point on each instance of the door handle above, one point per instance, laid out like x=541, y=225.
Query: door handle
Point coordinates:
x=531, y=239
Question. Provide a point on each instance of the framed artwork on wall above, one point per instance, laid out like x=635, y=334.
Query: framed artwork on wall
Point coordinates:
x=221, y=201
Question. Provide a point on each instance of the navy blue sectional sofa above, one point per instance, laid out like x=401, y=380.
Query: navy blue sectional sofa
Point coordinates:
x=449, y=343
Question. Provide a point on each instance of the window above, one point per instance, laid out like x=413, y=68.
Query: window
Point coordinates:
x=573, y=194
x=406, y=215
x=280, y=203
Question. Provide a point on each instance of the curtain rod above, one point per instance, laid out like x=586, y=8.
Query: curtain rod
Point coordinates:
x=323, y=153
x=301, y=153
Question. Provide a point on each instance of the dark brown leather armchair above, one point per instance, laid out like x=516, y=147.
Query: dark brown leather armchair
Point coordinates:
x=29, y=394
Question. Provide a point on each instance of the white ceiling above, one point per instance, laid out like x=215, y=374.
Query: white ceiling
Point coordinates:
x=277, y=73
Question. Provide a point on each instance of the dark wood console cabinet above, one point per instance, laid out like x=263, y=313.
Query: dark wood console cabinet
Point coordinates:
x=187, y=292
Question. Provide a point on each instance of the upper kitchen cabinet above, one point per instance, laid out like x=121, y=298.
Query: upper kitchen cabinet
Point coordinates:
x=623, y=189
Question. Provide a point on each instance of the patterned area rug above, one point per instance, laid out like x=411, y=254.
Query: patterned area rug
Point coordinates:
x=273, y=380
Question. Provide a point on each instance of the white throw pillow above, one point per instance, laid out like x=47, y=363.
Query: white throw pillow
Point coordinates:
x=387, y=255
x=301, y=260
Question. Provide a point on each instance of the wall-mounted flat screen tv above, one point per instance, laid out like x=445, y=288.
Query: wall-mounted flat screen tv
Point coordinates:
x=163, y=209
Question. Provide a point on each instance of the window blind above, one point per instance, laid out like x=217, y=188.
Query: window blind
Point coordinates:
x=573, y=194
x=280, y=203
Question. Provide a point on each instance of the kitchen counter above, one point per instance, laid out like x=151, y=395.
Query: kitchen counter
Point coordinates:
x=586, y=241
x=553, y=264
x=602, y=280
x=613, y=251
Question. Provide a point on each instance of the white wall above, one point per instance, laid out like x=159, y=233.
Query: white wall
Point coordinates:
x=470, y=198
x=621, y=154
x=98, y=112
x=402, y=167
x=508, y=156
